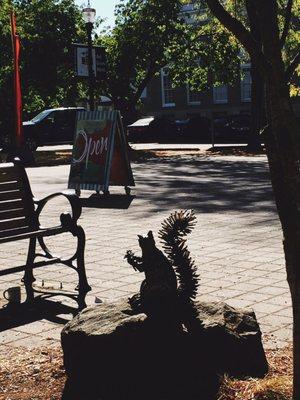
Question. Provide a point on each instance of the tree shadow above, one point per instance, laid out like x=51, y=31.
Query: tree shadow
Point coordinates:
x=207, y=185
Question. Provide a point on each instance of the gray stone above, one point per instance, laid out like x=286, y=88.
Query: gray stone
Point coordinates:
x=110, y=354
x=236, y=337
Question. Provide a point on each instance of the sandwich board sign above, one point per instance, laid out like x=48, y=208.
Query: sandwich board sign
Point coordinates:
x=100, y=156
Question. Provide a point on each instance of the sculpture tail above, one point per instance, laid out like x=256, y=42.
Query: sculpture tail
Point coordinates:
x=172, y=234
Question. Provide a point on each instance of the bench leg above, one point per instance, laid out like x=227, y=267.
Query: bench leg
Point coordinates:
x=83, y=286
x=28, y=278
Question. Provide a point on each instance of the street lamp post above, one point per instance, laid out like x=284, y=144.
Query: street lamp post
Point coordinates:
x=89, y=15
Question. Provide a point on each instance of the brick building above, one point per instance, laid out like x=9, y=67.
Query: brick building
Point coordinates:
x=160, y=98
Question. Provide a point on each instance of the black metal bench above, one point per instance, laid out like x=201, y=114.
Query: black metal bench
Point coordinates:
x=19, y=219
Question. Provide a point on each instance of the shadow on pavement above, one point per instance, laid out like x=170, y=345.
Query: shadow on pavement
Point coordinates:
x=115, y=201
x=205, y=184
x=22, y=314
x=41, y=158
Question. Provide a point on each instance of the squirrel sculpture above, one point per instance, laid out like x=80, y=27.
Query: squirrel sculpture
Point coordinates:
x=159, y=289
x=160, y=295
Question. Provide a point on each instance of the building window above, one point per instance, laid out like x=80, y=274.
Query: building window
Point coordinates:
x=193, y=96
x=246, y=84
x=193, y=13
x=168, y=93
x=144, y=94
x=220, y=94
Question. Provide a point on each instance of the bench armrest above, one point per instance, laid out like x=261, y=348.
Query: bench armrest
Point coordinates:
x=73, y=200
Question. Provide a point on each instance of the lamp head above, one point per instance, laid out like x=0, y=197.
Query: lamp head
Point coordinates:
x=89, y=15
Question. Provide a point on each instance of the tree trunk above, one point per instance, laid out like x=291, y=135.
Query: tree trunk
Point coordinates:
x=257, y=110
x=292, y=254
x=128, y=111
x=283, y=154
x=282, y=140
x=257, y=86
x=284, y=170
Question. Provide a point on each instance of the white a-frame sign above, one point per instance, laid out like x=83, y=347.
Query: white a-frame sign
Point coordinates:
x=100, y=152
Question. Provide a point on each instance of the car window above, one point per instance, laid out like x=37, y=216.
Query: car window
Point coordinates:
x=42, y=115
x=49, y=119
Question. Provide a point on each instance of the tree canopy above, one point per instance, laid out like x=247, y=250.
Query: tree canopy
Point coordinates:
x=213, y=55
x=47, y=29
x=137, y=47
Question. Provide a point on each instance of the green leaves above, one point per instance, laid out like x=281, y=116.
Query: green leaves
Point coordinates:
x=138, y=45
x=210, y=55
x=47, y=29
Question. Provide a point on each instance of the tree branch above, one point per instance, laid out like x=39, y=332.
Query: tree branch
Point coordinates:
x=149, y=75
x=292, y=67
x=287, y=22
x=242, y=34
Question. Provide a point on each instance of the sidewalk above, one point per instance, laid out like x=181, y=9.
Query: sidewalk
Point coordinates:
x=179, y=146
x=237, y=243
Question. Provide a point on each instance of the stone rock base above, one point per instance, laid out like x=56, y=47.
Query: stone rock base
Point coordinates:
x=110, y=354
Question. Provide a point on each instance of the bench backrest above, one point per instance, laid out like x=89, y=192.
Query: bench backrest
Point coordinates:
x=16, y=201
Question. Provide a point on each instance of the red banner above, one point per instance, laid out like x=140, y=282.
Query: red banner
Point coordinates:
x=17, y=80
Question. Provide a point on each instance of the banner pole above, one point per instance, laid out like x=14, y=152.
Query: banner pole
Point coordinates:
x=18, y=137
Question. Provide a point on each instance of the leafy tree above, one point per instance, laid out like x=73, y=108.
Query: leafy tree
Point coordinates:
x=47, y=29
x=6, y=84
x=208, y=57
x=220, y=54
x=282, y=135
x=137, y=48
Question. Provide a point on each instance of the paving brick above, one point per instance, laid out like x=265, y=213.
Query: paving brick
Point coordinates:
x=237, y=243
x=272, y=290
x=276, y=320
x=268, y=308
x=238, y=302
x=34, y=328
x=11, y=335
x=283, y=334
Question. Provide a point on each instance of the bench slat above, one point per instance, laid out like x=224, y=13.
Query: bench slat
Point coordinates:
x=11, y=224
x=11, y=205
x=9, y=174
x=13, y=233
x=13, y=195
x=7, y=187
x=10, y=214
x=25, y=233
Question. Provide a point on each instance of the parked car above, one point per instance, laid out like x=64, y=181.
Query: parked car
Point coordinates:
x=240, y=126
x=221, y=127
x=163, y=129
x=51, y=127
x=139, y=130
x=152, y=129
x=195, y=129
x=233, y=127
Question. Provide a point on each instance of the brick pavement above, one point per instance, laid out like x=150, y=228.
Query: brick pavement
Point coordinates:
x=236, y=244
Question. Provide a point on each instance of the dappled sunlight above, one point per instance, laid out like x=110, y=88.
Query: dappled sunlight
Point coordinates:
x=205, y=184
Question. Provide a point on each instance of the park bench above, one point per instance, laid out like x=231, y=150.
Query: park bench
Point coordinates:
x=19, y=219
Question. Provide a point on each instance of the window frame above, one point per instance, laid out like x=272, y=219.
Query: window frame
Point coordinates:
x=243, y=98
x=220, y=101
x=163, y=74
x=189, y=101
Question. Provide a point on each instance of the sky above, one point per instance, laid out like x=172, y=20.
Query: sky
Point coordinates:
x=104, y=9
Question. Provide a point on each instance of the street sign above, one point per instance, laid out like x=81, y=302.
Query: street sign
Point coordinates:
x=101, y=67
x=100, y=156
x=81, y=61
